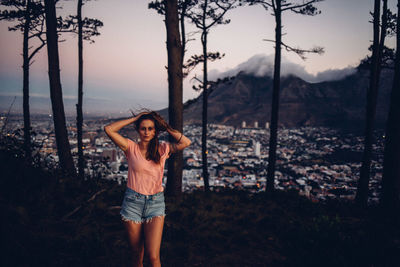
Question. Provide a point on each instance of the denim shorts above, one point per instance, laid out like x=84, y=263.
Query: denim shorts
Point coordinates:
x=141, y=208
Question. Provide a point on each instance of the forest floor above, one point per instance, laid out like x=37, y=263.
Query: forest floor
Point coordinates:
x=50, y=221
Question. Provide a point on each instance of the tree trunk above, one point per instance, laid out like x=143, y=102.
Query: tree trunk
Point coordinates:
x=204, y=150
x=25, y=89
x=391, y=168
x=275, y=99
x=183, y=33
x=362, y=188
x=175, y=108
x=79, y=115
x=383, y=35
x=63, y=146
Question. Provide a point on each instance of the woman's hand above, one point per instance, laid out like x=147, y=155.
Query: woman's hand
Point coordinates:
x=164, y=125
x=137, y=116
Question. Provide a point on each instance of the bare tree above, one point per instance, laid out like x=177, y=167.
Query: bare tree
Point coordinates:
x=372, y=95
x=30, y=17
x=278, y=7
x=205, y=15
x=86, y=29
x=390, y=199
x=63, y=146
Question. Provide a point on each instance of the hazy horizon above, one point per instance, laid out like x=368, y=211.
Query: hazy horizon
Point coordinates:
x=40, y=104
x=125, y=67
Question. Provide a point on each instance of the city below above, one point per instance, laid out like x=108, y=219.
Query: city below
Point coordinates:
x=321, y=163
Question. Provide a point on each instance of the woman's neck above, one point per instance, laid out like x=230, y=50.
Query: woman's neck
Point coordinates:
x=143, y=145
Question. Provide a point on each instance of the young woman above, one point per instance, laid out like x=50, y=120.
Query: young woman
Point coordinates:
x=143, y=208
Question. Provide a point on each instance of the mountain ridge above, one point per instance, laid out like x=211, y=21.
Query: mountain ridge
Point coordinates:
x=340, y=103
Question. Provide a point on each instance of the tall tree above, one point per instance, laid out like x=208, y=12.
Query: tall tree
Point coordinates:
x=79, y=113
x=63, y=146
x=175, y=113
x=183, y=8
x=278, y=7
x=175, y=108
x=87, y=28
x=387, y=54
x=30, y=17
x=205, y=15
x=372, y=94
x=390, y=199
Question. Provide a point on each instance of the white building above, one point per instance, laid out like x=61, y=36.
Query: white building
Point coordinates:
x=243, y=124
x=257, y=149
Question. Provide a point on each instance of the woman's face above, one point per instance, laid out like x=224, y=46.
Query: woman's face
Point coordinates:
x=147, y=130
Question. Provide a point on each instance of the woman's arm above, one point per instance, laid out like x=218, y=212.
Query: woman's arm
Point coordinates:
x=113, y=128
x=182, y=141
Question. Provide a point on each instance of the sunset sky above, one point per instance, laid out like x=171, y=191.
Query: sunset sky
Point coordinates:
x=125, y=67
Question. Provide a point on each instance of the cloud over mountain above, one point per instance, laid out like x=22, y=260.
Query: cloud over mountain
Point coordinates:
x=262, y=65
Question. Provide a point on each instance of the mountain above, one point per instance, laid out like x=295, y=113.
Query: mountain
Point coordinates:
x=248, y=98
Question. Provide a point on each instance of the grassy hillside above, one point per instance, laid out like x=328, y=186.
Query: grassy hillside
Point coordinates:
x=48, y=221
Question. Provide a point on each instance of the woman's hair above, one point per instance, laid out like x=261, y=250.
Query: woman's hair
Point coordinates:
x=152, y=150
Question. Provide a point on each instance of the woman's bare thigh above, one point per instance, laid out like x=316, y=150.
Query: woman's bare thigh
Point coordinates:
x=136, y=241
x=152, y=236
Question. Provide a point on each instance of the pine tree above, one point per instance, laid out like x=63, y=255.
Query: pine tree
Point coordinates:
x=63, y=146
x=30, y=17
x=390, y=199
x=205, y=15
x=372, y=95
x=175, y=109
x=278, y=7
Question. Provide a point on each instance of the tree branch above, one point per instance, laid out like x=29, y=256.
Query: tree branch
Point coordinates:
x=37, y=49
x=300, y=5
x=197, y=79
x=300, y=52
x=220, y=16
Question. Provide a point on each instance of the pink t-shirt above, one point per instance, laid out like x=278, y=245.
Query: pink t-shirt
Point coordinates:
x=145, y=176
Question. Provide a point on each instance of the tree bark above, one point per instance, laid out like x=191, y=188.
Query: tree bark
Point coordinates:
x=362, y=188
x=183, y=32
x=204, y=150
x=175, y=108
x=79, y=113
x=275, y=100
x=390, y=200
x=25, y=89
x=63, y=146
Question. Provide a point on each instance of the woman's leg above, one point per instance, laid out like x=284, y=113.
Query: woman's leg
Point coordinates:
x=152, y=238
x=135, y=234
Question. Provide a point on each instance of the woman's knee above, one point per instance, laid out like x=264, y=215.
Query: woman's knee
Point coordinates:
x=153, y=257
